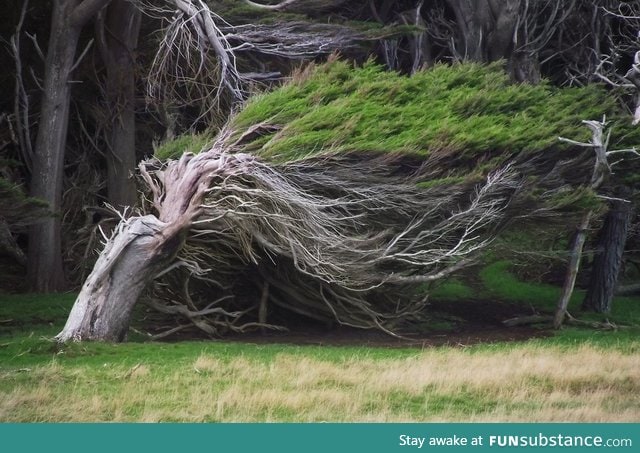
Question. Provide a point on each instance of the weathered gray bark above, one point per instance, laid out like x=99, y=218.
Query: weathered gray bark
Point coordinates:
x=118, y=30
x=141, y=247
x=572, y=271
x=45, y=270
x=608, y=259
x=138, y=250
x=601, y=172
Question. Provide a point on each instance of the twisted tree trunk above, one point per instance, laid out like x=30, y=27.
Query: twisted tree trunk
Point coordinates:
x=139, y=250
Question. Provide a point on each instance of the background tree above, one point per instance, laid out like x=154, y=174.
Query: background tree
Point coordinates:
x=45, y=269
x=117, y=31
x=609, y=253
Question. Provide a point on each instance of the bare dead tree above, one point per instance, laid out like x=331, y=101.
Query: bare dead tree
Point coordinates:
x=601, y=171
x=196, y=64
x=294, y=40
x=183, y=71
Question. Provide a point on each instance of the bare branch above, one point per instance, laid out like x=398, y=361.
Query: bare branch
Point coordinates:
x=275, y=7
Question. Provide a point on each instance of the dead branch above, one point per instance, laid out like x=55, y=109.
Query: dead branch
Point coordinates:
x=527, y=320
x=601, y=171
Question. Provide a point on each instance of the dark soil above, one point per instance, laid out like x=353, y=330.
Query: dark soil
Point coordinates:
x=468, y=323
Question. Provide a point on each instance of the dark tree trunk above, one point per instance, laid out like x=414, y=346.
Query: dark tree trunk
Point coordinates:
x=486, y=28
x=608, y=259
x=118, y=31
x=525, y=67
x=45, y=270
x=472, y=18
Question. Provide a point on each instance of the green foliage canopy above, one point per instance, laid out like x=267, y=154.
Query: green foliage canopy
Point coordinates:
x=465, y=110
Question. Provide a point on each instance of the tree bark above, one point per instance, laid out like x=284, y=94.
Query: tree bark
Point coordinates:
x=139, y=249
x=525, y=67
x=608, y=259
x=118, y=31
x=45, y=270
x=472, y=18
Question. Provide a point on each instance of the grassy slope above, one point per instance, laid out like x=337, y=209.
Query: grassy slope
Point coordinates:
x=579, y=375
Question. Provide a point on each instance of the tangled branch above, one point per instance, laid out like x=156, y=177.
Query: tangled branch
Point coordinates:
x=329, y=242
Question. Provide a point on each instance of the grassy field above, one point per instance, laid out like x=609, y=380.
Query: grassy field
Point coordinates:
x=576, y=375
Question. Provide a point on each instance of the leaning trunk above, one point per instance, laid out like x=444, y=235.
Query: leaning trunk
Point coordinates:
x=608, y=260
x=137, y=252
x=572, y=271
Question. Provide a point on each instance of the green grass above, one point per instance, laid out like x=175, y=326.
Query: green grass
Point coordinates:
x=184, y=144
x=497, y=282
x=502, y=284
x=542, y=379
x=451, y=290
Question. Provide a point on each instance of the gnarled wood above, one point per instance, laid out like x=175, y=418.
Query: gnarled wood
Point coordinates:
x=137, y=251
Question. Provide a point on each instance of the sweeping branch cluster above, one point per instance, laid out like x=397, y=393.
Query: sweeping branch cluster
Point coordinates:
x=329, y=242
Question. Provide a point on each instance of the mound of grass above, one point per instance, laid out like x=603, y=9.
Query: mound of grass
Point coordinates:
x=466, y=111
x=193, y=143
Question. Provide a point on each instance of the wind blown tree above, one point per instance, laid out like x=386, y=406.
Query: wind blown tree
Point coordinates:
x=259, y=212
x=319, y=203
x=225, y=48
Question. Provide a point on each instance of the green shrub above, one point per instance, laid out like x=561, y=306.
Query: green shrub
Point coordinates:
x=190, y=143
x=468, y=110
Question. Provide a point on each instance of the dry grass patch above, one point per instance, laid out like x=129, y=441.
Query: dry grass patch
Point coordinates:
x=525, y=383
